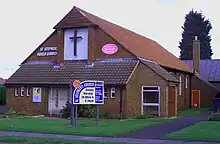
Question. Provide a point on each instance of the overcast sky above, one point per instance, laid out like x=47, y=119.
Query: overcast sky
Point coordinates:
x=25, y=24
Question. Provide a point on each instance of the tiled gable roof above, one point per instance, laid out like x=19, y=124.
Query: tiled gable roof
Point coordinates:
x=160, y=71
x=111, y=72
x=116, y=72
x=139, y=45
x=32, y=74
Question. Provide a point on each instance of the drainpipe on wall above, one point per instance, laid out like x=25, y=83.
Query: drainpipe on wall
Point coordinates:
x=190, y=94
x=121, y=106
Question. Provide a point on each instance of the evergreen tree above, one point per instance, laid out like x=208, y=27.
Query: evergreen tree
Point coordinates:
x=195, y=25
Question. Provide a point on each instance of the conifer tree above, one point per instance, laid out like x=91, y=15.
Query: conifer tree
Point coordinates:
x=195, y=25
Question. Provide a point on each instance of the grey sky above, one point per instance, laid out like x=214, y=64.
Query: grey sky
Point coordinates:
x=25, y=24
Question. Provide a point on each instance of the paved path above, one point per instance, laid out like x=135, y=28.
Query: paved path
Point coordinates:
x=158, y=131
x=99, y=139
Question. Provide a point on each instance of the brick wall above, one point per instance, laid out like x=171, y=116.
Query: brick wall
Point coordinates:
x=143, y=76
x=24, y=103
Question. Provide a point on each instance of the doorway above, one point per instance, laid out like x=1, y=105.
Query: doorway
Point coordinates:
x=195, y=98
x=172, y=101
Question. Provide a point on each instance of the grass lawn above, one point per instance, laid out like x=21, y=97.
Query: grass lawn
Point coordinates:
x=204, y=131
x=9, y=139
x=108, y=128
x=192, y=112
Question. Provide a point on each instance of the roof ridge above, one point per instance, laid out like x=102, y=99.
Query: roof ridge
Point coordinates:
x=83, y=11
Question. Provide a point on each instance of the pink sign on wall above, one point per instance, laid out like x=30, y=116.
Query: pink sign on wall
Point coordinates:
x=109, y=48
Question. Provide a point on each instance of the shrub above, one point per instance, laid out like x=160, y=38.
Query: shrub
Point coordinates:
x=148, y=116
x=12, y=112
x=107, y=115
x=65, y=112
x=141, y=117
x=82, y=111
x=89, y=111
x=122, y=116
x=2, y=95
x=214, y=117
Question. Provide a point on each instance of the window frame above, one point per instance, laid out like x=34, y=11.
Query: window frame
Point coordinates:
x=186, y=82
x=150, y=89
x=113, y=92
x=28, y=91
x=22, y=91
x=105, y=92
x=16, y=91
x=180, y=84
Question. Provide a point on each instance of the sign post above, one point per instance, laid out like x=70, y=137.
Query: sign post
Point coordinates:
x=86, y=92
x=97, y=115
x=72, y=118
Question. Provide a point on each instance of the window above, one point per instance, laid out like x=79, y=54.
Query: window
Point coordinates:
x=28, y=91
x=150, y=100
x=112, y=92
x=151, y=97
x=22, y=91
x=186, y=82
x=105, y=93
x=180, y=85
x=16, y=91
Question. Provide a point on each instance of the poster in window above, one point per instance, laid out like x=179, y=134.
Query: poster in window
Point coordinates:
x=36, y=94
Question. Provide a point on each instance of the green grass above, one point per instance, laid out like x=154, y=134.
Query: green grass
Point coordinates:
x=107, y=128
x=203, y=131
x=192, y=112
x=47, y=141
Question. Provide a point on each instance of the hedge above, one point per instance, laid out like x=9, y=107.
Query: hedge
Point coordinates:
x=2, y=95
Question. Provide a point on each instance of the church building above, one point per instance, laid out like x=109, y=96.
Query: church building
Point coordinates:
x=140, y=76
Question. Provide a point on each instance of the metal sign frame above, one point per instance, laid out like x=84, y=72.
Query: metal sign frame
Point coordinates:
x=95, y=95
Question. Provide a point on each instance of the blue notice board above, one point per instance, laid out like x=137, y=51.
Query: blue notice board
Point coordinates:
x=87, y=92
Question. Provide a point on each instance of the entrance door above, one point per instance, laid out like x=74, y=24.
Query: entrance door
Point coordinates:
x=172, y=101
x=195, y=98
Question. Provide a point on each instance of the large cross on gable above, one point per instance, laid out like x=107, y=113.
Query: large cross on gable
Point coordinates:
x=75, y=38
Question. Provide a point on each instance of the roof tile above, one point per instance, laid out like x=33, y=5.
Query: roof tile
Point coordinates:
x=160, y=71
x=111, y=72
x=137, y=44
x=209, y=69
